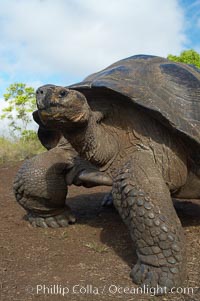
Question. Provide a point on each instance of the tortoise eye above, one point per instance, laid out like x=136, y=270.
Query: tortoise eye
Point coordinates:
x=63, y=93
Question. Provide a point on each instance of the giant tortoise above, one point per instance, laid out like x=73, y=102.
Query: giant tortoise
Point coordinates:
x=139, y=122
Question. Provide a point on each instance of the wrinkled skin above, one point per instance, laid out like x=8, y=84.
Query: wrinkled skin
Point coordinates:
x=148, y=164
x=40, y=185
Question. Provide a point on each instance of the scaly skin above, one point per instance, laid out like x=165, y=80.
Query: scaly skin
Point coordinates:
x=148, y=212
x=40, y=185
x=148, y=164
x=40, y=188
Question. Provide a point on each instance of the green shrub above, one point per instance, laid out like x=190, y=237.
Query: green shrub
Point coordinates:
x=188, y=57
x=13, y=151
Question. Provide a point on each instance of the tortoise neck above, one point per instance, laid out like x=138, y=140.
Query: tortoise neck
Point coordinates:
x=95, y=143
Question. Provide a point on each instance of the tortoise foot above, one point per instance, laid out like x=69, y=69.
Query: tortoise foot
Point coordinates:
x=55, y=221
x=161, y=278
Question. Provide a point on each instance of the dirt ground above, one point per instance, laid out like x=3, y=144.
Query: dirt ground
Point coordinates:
x=90, y=260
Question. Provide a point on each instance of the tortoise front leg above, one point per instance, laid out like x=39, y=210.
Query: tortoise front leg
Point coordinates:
x=144, y=203
x=40, y=188
x=40, y=185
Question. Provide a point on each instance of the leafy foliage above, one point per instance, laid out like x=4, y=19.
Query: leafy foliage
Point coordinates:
x=21, y=103
x=14, y=151
x=187, y=57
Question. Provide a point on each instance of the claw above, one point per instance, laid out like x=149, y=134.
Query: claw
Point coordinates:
x=51, y=222
x=33, y=223
x=63, y=223
x=144, y=274
x=60, y=220
x=72, y=219
x=40, y=222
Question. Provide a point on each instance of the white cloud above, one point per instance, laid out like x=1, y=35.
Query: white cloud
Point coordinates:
x=78, y=37
x=72, y=38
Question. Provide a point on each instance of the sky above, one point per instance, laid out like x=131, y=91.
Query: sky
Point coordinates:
x=63, y=41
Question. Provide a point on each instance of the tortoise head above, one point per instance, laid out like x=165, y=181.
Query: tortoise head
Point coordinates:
x=62, y=107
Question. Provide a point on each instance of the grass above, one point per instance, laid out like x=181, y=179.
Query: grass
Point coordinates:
x=96, y=247
x=64, y=235
x=13, y=151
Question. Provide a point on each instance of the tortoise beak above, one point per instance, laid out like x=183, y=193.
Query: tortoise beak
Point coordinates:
x=43, y=96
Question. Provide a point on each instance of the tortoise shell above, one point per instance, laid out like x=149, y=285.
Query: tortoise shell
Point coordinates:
x=168, y=90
